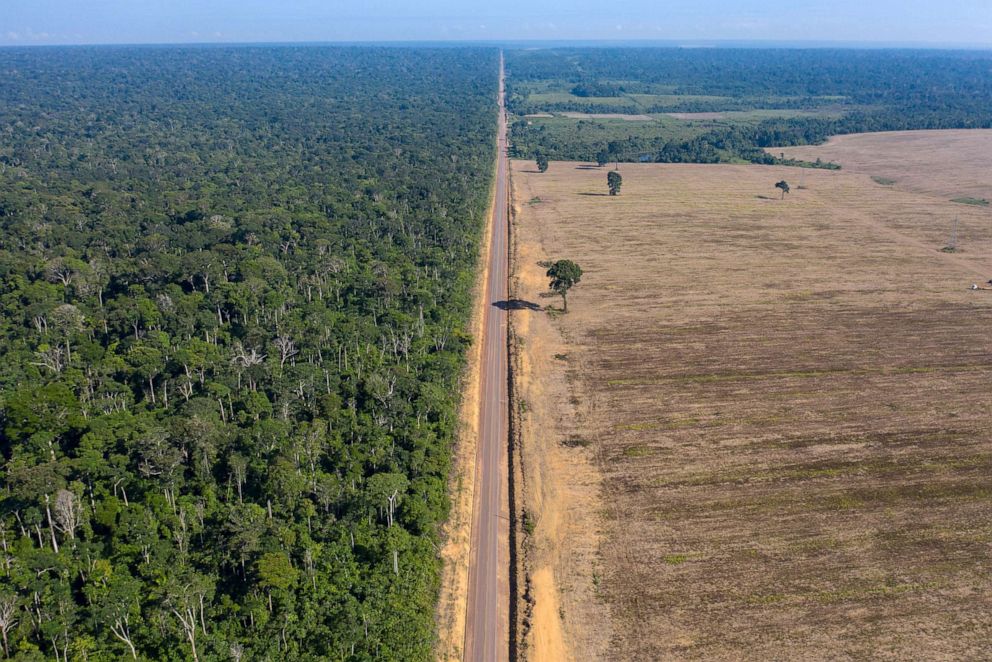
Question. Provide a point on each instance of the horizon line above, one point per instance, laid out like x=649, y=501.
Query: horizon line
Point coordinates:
x=549, y=43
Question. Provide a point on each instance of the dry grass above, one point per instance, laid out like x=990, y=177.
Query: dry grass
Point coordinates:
x=559, y=481
x=788, y=403
x=949, y=164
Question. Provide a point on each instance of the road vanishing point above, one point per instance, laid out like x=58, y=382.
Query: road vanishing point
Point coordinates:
x=487, y=621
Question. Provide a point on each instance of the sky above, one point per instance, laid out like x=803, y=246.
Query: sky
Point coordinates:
x=923, y=22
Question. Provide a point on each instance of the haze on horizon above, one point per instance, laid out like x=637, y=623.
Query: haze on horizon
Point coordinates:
x=923, y=22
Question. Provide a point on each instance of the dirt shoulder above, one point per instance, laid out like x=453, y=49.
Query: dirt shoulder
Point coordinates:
x=559, y=483
x=457, y=533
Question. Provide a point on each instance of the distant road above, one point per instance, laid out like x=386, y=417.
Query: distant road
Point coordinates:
x=487, y=623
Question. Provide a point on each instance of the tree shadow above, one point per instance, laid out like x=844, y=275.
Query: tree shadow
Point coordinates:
x=764, y=197
x=589, y=167
x=596, y=195
x=533, y=172
x=517, y=304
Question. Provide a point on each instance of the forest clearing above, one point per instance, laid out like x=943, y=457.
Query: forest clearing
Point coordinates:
x=763, y=429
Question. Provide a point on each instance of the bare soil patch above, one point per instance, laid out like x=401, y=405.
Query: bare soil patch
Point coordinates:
x=950, y=164
x=608, y=116
x=697, y=116
x=561, y=486
x=787, y=404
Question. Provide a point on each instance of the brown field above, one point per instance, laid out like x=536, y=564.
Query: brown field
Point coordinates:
x=764, y=429
x=949, y=164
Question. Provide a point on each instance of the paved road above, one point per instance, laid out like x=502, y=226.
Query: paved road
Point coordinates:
x=487, y=631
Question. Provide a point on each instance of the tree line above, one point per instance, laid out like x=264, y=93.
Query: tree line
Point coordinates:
x=869, y=90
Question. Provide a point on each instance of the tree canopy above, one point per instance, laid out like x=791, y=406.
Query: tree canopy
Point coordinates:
x=234, y=285
x=614, y=181
x=564, y=275
x=768, y=98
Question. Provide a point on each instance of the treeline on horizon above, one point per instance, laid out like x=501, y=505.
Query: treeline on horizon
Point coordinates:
x=234, y=284
x=874, y=90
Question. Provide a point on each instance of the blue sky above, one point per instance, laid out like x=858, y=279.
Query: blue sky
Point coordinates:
x=176, y=21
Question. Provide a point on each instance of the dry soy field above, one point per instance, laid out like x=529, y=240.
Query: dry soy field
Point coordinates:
x=764, y=428
x=949, y=164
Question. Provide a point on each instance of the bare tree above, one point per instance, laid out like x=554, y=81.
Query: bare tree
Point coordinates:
x=68, y=320
x=237, y=650
x=52, y=358
x=41, y=324
x=187, y=605
x=287, y=349
x=51, y=526
x=246, y=359
x=58, y=271
x=68, y=513
x=186, y=388
x=8, y=613
x=160, y=460
x=313, y=448
x=239, y=469
x=392, y=505
x=187, y=619
x=121, y=627
x=181, y=535
x=99, y=278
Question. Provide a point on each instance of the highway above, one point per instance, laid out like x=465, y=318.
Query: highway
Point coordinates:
x=487, y=622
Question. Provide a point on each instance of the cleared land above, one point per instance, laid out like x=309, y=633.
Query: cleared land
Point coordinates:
x=949, y=164
x=609, y=116
x=760, y=114
x=577, y=133
x=764, y=430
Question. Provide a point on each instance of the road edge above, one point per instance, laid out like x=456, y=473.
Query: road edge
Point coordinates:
x=456, y=537
x=521, y=596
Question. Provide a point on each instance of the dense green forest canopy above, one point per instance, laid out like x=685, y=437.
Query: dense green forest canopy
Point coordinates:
x=233, y=292
x=839, y=91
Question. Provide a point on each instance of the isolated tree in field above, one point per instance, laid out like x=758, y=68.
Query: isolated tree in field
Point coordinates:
x=784, y=186
x=542, y=162
x=602, y=158
x=613, y=149
x=614, y=181
x=564, y=275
